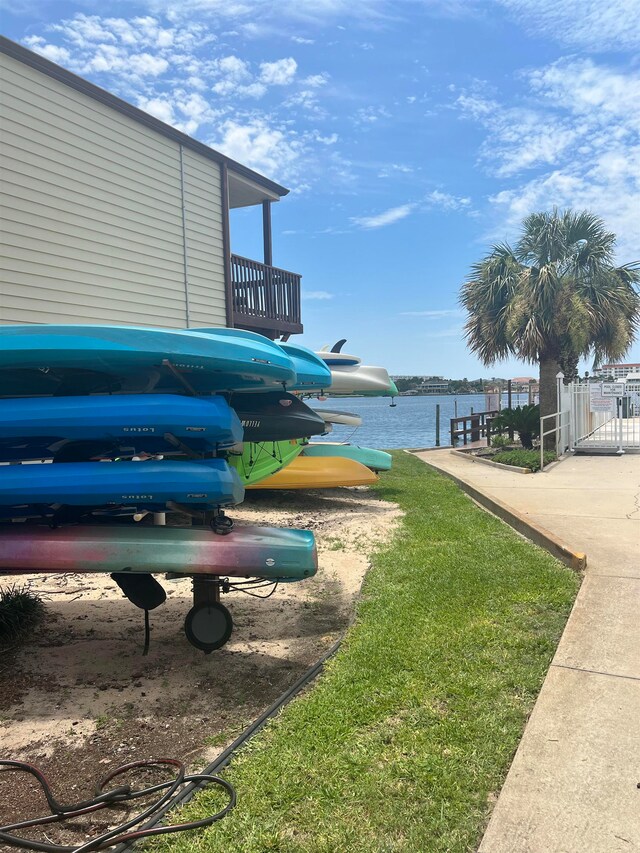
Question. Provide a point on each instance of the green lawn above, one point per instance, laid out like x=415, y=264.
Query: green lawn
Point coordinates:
x=404, y=741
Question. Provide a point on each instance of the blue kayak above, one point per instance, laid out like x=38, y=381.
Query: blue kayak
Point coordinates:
x=312, y=374
x=70, y=360
x=205, y=484
x=46, y=427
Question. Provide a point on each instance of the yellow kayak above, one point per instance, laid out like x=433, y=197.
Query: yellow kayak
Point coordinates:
x=318, y=472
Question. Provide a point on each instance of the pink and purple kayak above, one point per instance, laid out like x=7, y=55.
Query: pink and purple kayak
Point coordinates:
x=257, y=552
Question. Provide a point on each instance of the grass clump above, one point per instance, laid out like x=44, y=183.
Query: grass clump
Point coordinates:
x=20, y=610
x=524, y=458
x=411, y=729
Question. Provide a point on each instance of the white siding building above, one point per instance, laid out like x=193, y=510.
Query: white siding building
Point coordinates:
x=111, y=216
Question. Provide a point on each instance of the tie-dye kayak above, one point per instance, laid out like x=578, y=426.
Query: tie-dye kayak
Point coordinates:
x=262, y=552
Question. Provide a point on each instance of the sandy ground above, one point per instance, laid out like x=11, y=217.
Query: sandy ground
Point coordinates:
x=79, y=699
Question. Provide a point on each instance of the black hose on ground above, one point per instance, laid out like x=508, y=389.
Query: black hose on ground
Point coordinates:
x=125, y=833
x=122, y=838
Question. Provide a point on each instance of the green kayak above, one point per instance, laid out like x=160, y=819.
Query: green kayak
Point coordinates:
x=376, y=460
x=260, y=460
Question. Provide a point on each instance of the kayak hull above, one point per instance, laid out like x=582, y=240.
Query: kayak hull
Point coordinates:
x=308, y=472
x=332, y=416
x=312, y=374
x=276, y=416
x=359, y=379
x=204, y=484
x=36, y=428
x=260, y=460
x=68, y=360
x=264, y=552
x=376, y=460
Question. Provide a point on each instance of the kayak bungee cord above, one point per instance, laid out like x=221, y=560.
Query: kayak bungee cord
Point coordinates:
x=125, y=833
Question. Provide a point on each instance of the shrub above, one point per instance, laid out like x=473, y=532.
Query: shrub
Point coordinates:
x=524, y=458
x=500, y=441
x=20, y=609
x=525, y=420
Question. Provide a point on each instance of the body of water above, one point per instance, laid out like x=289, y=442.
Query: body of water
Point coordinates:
x=411, y=423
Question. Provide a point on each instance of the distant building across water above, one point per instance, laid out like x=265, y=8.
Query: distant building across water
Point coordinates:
x=616, y=371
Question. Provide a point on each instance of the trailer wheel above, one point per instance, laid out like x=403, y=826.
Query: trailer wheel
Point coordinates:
x=208, y=626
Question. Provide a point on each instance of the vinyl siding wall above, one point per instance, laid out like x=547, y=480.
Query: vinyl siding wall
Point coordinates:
x=92, y=214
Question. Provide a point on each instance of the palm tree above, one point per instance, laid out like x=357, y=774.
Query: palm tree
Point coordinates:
x=553, y=298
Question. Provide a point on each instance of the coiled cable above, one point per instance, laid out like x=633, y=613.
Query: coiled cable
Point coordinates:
x=124, y=833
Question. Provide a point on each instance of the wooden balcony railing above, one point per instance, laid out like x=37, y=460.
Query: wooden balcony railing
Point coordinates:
x=264, y=297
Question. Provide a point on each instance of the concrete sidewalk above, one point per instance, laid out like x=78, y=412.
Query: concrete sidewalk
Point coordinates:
x=573, y=784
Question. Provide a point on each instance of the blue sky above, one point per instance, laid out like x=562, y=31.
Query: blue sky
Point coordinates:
x=412, y=135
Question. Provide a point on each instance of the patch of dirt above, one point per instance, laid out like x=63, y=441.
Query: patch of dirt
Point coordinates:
x=79, y=699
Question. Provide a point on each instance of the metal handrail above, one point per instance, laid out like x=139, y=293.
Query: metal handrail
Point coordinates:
x=556, y=428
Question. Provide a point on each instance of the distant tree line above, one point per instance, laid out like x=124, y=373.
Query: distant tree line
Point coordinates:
x=455, y=386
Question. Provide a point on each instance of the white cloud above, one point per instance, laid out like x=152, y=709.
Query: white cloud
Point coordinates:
x=147, y=65
x=591, y=24
x=448, y=201
x=50, y=51
x=278, y=73
x=159, y=108
x=578, y=139
x=261, y=147
x=316, y=80
x=316, y=294
x=387, y=217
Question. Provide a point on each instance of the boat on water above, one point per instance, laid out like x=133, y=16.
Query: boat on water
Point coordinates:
x=308, y=472
x=376, y=460
x=83, y=427
x=203, y=485
x=70, y=360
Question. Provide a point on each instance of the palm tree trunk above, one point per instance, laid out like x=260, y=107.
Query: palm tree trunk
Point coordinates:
x=548, y=396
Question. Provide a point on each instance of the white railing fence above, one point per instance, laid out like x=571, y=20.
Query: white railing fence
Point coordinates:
x=560, y=427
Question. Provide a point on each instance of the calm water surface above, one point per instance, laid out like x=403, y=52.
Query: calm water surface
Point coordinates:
x=411, y=423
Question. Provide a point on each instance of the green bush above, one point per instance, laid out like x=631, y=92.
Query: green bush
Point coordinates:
x=500, y=441
x=524, y=458
x=525, y=420
x=20, y=609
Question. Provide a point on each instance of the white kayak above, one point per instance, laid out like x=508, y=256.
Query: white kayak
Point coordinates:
x=338, y=359
x=359, y=379
x=331, y=416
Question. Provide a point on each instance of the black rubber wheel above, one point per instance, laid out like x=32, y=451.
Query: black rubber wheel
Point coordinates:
x=208, y=626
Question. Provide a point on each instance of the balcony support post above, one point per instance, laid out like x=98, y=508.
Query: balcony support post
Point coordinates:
x=266, y=233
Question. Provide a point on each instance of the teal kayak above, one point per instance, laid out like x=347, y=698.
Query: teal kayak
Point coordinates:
x=376, y=460
x=43, y=360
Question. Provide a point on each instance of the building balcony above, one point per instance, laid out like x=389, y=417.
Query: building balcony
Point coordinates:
x=265, y=299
